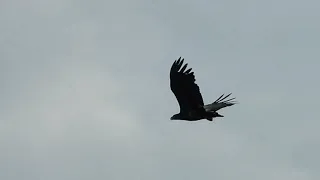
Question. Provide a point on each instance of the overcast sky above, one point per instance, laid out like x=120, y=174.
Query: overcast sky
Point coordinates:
x=85, y=89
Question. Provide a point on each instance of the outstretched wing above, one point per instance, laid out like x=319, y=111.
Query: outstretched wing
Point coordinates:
x=220, y=103
x=183, y=86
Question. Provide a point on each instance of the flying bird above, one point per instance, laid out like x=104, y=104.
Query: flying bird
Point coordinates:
x=187, y=93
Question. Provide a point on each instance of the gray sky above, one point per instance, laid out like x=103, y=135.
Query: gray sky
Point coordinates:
x=85, y=89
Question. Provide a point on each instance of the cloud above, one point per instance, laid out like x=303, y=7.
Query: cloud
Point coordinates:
x=86, y=90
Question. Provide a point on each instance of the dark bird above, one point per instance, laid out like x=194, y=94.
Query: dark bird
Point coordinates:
x=187, y=92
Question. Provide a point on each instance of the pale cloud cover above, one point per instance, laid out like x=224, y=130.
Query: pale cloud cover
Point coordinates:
x=85, y=89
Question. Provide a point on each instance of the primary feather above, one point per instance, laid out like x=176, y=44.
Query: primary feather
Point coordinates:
x=219, y=103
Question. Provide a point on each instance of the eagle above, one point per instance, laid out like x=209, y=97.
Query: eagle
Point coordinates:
x=187, y=93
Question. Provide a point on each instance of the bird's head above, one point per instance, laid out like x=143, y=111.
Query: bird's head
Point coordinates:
x=175, y=117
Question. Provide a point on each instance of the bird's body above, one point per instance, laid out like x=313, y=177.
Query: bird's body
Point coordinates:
x=187, y=92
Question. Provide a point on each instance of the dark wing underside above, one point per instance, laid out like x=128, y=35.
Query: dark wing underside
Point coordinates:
x=183, y=86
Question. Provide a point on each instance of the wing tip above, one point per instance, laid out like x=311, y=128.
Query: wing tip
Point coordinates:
x=177, y=64
x=221, y=99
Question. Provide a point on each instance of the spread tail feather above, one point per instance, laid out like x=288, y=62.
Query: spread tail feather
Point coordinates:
x=220, y=103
